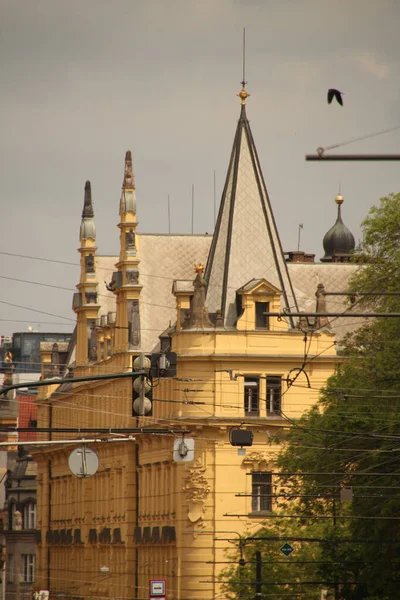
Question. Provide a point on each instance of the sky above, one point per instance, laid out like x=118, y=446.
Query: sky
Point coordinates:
x=85, y=80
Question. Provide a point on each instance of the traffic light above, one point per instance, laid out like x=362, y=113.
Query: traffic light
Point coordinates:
x=142, y=392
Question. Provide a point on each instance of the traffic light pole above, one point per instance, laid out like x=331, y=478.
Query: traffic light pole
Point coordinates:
x=59, y=381
x=142, y=392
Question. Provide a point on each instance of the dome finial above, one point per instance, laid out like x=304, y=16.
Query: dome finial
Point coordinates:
x=243, y=94
x=339, y=198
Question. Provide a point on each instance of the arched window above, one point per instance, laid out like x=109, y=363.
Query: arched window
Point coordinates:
x=30, y=515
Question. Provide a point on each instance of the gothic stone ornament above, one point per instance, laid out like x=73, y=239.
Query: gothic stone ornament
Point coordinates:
x=132, y=276
x=197, y=488
x=199, y=312
x=92, y=335
x=130, y=242
x=89, y=263
x=91, y=297
x=8, y=369
x=134, y=322
x=219, y=320
x=17, y=521
x=257, y=460
x=322, y=322
x=55, y=360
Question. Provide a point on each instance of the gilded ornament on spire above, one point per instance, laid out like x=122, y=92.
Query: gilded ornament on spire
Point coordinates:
x=199, y=268
x=243, y=94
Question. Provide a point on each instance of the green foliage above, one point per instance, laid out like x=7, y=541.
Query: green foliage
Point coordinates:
x=380, y=255
x=280, y=574
x=350, y=439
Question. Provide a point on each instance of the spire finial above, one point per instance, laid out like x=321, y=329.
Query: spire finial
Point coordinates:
x=339, y=197
x=243, y=94
x=87, y=203
x=128, y=182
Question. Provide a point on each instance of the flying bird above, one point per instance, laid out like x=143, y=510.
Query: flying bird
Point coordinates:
x=332, y=93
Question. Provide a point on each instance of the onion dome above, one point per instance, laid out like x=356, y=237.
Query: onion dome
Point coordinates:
x=338, y=242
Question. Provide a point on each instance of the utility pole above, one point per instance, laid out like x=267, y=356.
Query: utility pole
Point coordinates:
x=335, y=577
x=242, y=564
x=257, y=595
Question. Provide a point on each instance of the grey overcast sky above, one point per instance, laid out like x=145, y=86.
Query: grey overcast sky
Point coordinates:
x=82, y=81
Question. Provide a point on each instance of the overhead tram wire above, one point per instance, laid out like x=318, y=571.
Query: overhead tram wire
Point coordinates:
x=354, y=157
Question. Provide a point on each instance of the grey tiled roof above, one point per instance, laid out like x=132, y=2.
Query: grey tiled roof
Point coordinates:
x=167, y=258
x=335, y=278
x=163, y=258
x=246, y=242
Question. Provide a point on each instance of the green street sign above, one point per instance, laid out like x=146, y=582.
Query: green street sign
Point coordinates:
x=286, y=549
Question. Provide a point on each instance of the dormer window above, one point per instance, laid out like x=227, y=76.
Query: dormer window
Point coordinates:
x=262, y=319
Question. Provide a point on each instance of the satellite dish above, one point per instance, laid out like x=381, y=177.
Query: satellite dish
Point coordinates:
x=83, y=462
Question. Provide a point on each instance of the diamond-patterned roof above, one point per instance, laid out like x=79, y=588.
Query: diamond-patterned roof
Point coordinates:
x=246, y=242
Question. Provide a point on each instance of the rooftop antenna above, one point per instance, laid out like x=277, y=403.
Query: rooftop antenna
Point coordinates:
x=301, y=225
x=244, y=58
x=243, y=93
x=169, y=216
x=192, y=205
x=215, y=205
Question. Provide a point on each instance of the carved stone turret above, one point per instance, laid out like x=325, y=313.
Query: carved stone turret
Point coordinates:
x=125, y=283
x=85, y=300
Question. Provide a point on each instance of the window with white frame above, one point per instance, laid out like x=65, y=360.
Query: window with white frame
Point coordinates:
x=274, y=394
x=30, y=516
x=261, y=490
x=252, y=396
x=29, y=567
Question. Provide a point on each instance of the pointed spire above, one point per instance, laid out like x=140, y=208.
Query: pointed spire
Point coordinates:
x=87, y=203
x=128, y=183
x=88, y=227
x=246, y=242
x=128, y=194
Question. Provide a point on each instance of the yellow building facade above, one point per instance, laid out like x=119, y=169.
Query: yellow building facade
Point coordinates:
x=227, y=305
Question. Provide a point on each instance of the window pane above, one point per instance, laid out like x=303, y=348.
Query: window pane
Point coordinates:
x=274, y=386
x=251, y=396
x=261, y=492
x=262, y=320
x=29, y=563
x=30, y=516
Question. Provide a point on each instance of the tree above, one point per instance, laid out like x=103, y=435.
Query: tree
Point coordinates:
x=294, y=576
x=352, y=437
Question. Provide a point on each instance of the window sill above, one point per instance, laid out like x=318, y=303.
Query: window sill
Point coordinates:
x=260, y=513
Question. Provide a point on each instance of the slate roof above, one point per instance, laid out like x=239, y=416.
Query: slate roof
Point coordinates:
x=163, y=258
x=167, y=258
x=246, y=241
